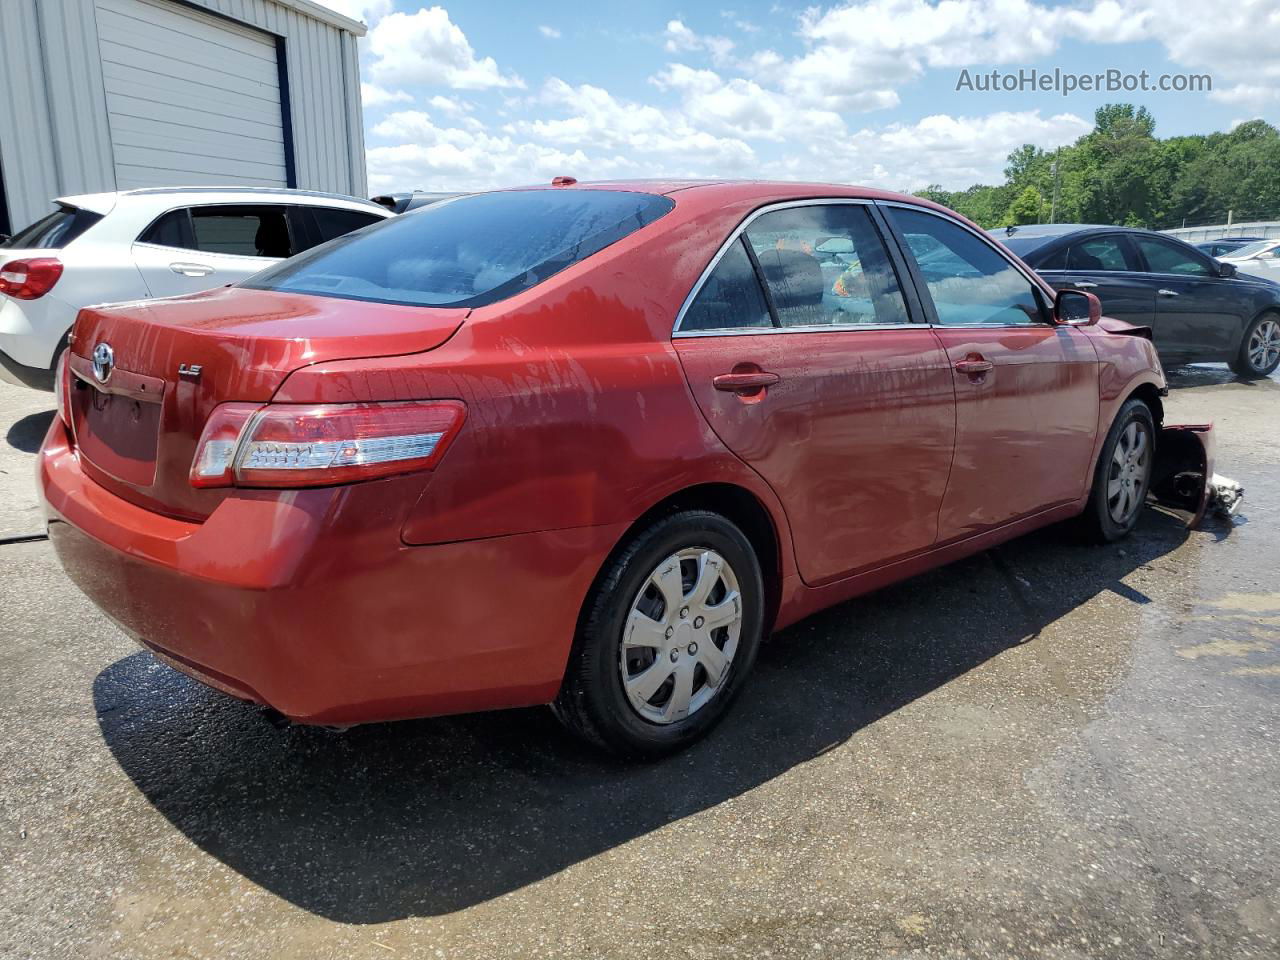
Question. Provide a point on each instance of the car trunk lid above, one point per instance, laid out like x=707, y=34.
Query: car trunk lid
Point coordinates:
x=147, y=374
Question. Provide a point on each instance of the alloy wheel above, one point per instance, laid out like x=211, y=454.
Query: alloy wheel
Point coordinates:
x=681, y=635
x=1130, y=472
x=1264, y=345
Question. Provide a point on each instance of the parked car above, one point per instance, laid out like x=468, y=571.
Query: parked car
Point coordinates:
x=1259, y=259
x=1198, y=308
x=404, y=202
x=584, y=445
x=1224, y=246
x=148, y=243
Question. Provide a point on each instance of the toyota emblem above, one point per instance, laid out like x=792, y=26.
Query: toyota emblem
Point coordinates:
x=104, y=361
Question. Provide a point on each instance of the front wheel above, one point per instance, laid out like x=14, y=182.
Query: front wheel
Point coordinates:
x=1123, y=475
x=669, y=633
x=1259, y=349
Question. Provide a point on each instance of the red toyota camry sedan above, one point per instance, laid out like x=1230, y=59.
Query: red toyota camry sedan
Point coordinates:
x=582, y=444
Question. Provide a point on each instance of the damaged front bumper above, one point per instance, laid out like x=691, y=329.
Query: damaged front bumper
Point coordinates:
x=1183, y=481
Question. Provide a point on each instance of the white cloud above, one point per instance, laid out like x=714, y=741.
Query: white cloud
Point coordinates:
x=953, y=151
x=454, y=158
x=427, y=47
x=550, y=32
x=744, y=108
x=663, y=141
x=680, y=39
x=372, y=95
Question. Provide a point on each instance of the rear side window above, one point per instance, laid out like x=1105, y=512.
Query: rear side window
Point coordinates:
x=332, y=223
x=1098, y=254
x=731, y=298
x=242, y=231
x=825, y=264
x=470, y=251
x=54, y=231
x=238, y=230
x=171, y=230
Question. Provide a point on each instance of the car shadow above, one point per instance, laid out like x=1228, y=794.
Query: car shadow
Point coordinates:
x=428, y=817
x=1213, y=375
x=28, y=433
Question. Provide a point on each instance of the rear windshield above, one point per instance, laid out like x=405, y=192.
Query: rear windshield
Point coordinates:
x=1024, y=246
x=54, y=231
x=469, y=251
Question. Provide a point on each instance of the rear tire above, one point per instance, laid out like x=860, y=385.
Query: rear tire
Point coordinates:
x=667, y=637
x=1259, y=352
x=1122, y=477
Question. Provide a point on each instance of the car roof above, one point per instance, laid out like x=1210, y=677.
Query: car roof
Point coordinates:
x=104, y=203
x=1051, y=229
x=744, y=189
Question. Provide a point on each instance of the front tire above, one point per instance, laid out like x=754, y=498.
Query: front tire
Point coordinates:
x=1123, y=475
x=668, y=635
x=1259, y=353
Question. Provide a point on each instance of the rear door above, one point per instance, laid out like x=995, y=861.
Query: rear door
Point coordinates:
x=820, y=381
x=1026, y=388
x=1199, y=315
x=196, y=248
x=1106, y=265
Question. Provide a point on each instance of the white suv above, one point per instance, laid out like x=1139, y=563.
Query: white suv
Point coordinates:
x=160, y=242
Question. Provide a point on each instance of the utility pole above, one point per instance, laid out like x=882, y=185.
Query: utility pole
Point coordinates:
x=1053, y=209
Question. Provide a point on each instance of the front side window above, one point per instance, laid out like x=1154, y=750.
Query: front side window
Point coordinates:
x=468, y=252
x=1097, y=254
x=825, y=264
x=334, y=222
x=730, y=298
x=969, y=282
x=1165, y=257
x=54, y=231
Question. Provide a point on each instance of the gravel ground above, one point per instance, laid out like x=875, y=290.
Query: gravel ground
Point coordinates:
x=1047, y=751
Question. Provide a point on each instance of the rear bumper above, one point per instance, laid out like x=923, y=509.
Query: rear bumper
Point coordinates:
x=308, y=601
x=20, y=375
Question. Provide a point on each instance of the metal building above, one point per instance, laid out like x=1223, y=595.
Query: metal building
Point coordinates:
x=116, y=94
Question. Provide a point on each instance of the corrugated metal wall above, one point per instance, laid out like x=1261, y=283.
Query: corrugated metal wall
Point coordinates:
x=57, y=141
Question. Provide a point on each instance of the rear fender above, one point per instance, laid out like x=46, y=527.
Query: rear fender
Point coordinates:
x=1183, y=470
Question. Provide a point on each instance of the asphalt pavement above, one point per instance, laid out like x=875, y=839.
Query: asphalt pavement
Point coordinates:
x=1048, y=750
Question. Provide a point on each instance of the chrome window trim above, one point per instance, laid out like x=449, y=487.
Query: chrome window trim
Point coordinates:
x=1034, y=279
x=813, y=328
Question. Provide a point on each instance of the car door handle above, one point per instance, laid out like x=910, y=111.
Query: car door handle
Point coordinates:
x=974, y=366
x=737, y=382
x=1165, y=292
x=1083, y=284
x=191, y=269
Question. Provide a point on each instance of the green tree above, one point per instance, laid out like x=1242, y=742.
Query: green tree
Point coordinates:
x=1025, y=208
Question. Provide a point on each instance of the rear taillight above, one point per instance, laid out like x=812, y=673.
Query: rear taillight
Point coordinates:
x=62, y=384
x=312, y=445
x=30, y=279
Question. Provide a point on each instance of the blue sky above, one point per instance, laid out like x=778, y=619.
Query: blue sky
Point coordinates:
x=467, y=96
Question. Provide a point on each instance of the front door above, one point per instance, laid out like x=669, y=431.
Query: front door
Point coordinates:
x=1106, y=265
x=1026, y=389
x=1198, y=313
x=820, y=381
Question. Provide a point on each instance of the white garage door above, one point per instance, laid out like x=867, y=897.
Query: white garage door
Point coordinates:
x=192, y=98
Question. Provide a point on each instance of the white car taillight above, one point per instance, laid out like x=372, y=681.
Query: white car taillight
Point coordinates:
x=30, y=279
x=312, y=445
